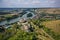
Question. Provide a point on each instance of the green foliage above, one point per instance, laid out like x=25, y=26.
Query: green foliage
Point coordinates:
x=1, y=36
x=29, y=15
x=51, y=33
x=2, y=19
x=21, y=14
x=8, y=17
x=21, y=35
x=15, y=32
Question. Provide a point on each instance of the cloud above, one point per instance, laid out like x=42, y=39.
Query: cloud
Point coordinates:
x=50, y=1
x=36, y=2
x=27, y=3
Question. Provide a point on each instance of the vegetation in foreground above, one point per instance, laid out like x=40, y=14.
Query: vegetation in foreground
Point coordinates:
x=37, y=32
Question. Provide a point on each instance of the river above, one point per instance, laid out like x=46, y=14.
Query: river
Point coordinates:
x=17, y=19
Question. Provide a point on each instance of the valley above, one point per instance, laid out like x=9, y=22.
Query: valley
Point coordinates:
x=30, y=24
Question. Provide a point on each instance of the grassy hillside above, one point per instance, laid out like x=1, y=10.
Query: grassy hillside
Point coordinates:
x=54, y=25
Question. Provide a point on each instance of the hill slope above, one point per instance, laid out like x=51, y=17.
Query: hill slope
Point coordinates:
x=54, y=25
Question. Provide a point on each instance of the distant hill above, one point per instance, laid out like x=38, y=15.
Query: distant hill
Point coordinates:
x=37, y=10
x=48, y=10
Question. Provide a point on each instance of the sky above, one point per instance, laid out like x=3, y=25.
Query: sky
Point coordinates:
x=29, y=3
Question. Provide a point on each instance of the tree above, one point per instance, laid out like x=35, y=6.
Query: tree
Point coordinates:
x=29, y=15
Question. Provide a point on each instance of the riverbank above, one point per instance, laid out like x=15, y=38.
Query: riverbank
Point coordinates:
x=9, y=22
